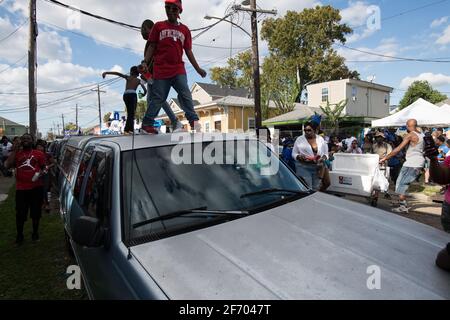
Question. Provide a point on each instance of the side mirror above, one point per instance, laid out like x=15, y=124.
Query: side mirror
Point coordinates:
x=89, y=232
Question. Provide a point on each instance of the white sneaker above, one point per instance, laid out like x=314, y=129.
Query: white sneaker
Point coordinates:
x=401, y=209
x=178, y=127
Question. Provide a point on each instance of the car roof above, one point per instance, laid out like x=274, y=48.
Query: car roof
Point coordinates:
x=148, y=141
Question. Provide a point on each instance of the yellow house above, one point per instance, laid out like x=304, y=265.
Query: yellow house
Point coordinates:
x=220, y=109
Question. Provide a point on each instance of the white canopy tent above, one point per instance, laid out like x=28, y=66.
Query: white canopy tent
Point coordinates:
x=445, y=108
x=426, y=114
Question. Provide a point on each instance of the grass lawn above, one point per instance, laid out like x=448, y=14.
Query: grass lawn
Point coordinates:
x=33, y=271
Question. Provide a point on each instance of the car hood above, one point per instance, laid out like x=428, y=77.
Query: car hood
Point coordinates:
x=318, y=247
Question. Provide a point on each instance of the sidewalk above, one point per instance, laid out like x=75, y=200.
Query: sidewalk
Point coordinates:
x=5, y=185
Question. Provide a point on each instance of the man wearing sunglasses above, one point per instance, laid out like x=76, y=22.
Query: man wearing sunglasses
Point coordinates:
x=167, y=40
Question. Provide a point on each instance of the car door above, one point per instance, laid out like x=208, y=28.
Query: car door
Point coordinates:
x=99, y=267
x=75, y=210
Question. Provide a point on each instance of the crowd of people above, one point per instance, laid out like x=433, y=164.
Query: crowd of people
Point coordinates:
x=401, y=155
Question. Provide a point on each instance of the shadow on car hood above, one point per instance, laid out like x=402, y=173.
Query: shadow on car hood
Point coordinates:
x=319, y=247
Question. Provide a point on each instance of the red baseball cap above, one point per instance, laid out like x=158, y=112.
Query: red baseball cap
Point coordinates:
x=177, y=3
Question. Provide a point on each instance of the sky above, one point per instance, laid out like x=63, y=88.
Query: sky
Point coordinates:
x=74, y=49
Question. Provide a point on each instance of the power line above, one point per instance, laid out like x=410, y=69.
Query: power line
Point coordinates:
x=57, y=91
x=61, y=100
x=217, y=47
x=17, y=29
x=109, y=44
x=405, y=12
x=122, y=24
x=14, y=64
x=393, y=57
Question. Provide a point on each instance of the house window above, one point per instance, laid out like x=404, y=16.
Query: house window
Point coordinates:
x=386, y=99
x=218, y=126
x=354, y=93
x=325, y=95
x=13, y=131
x=206, y=126
x=251, y=124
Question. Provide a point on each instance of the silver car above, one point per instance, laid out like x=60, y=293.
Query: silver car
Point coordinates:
x=154, y=218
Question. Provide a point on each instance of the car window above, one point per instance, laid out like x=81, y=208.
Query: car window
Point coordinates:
x=84, y=166
x=67, y=159
x=154, y=185
x=96, y=197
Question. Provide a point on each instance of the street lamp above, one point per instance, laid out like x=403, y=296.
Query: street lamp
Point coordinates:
x=207, y=17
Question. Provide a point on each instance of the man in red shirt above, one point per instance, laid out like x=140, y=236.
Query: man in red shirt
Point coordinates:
x=29, y=187
x=146, y=27
x=168, y=39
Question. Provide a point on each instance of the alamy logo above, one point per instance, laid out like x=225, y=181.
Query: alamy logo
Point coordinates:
x=74, y=279
x=229, y=149
x=374, y=19
x=73, y=21
x=374, y=280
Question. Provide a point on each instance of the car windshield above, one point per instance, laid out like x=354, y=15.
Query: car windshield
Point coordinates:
x=163, y=195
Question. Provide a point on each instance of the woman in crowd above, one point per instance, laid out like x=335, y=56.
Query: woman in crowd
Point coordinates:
x=354, y=148
x=310, y=150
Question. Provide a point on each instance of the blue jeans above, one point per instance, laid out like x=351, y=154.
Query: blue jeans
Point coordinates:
x=405, y=177
x=148, y=119
x=309, y=173
x=160, y=92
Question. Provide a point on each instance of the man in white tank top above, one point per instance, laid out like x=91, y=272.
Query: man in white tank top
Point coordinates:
x=413, y=165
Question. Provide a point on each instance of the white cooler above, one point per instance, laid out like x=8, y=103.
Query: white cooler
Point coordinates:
x=353, y=173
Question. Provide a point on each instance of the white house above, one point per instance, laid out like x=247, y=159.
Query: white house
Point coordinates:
x=365, y=99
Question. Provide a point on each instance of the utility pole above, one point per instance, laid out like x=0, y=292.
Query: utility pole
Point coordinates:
x=59, y=133
x=32, y=66
x=255, y=56
x=63, y=128
x=99, y=106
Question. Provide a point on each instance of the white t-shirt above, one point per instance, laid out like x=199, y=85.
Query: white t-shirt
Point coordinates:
x=115, y=126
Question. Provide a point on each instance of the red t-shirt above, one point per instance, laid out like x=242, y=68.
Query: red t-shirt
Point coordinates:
x=27, y=164
x=170, y=42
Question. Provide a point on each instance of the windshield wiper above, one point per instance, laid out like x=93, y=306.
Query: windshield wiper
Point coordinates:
x=201, y=210
x=271, y=190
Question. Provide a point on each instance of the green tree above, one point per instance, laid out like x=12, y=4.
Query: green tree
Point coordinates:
x=300, y=51
x=237, y=73
x=70, y=126
x=140, y=110
x=421, y=89
x=303, y=42
x=333, y=114
x=106, y=117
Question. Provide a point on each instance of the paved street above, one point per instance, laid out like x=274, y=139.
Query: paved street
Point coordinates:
x=422, y=208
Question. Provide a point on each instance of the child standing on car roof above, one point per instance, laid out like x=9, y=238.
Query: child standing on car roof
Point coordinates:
x=130, y=96
x=167, y=40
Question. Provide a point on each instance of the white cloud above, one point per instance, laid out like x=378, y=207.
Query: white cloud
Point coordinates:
x=54, y=76
x=57, y=71
x=361, y=16
x=436, y=80
x=387, y=47
x=444, y=39
x=438, y=22
x=51, y=45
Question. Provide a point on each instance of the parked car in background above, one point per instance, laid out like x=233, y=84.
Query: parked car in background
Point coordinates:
x=144, y=225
